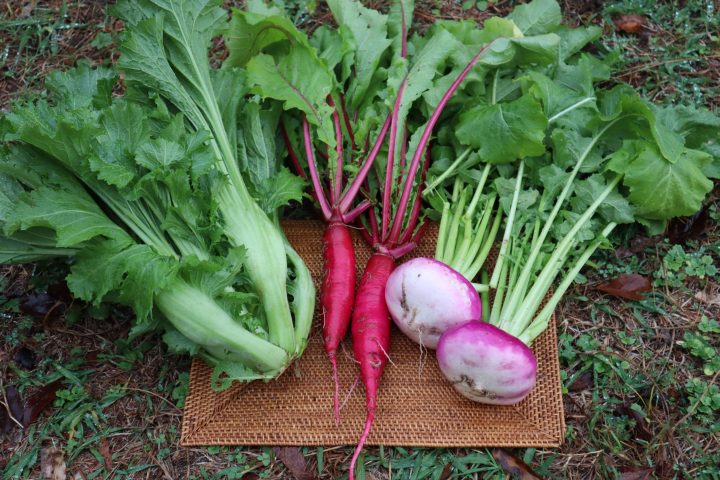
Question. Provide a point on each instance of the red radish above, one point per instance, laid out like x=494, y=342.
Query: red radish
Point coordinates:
x=336, y=205
x=371, y=334
x=338, y=293
x=393, y=237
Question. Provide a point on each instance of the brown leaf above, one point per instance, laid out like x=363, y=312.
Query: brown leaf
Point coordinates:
x=104, y=450
x=52, y=464
x=631, y=23
x=627, y=286
x=641, y=430
x=25, y=358
x=643, y=474
x=295, y=462
x=582, y=382
x=251, y=476
x=445, y=475
x=15, y=406
x=513, y=465
x=40, y=305
x=682, y=229
x=42, y=399
x=710, y=299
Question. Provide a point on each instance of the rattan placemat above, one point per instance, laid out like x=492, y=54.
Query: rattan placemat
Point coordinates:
x=417, y=407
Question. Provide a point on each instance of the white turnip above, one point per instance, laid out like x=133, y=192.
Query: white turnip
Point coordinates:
x=425, y=297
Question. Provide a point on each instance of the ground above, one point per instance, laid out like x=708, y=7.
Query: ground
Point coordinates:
x=640, y=375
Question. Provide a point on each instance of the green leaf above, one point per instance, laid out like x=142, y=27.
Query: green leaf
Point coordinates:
x=81, y=87
x=179, y=343
x=132, y=273
x=71, y=213
x=504, y=132
x=370, y=34
x=250, y=33
x=615, y=208
x=663, y=190
x=300, y=81
x=280, y=190
x=537, y=17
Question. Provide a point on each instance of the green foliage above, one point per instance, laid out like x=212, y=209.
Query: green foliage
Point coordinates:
x=679, y=266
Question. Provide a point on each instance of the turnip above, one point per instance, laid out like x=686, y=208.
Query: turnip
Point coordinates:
x=485, y=364
x=425, y=297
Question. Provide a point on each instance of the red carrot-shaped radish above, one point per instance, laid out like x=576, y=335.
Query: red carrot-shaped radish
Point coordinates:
x=337, y=294
x=392, y=238
x=338, y=287
x=371, y=334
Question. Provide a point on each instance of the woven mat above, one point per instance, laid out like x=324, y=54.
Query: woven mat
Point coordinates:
x=416, y=406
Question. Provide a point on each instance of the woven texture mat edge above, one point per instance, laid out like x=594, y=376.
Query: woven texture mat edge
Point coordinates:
x=416, y=406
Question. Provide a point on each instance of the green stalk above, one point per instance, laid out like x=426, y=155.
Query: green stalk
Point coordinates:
x=485, y=297
x=198, y=316
x=479, y=236
x=542, y=283
x=303, y=292
x=443, y=231
x=538, y=243
x=541, y=320
x=502, y=285
x=429, y=188
x=508, y=227
x=454, y=227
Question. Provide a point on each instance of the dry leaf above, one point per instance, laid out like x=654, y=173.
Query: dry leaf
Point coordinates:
x=631, y=23
x=105, y=452
x=627, y=286
x=643, y=474
x=682, y=229
x=704, y=297
x=445, y=475
x=513, y=465
x=39, y=402
x=25, y=358
x=295, y=462
x=15, y=407
x=52, y=464
x=582, y=382
x=641, y=430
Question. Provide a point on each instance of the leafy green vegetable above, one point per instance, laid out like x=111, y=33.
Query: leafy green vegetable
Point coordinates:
x=166, y=199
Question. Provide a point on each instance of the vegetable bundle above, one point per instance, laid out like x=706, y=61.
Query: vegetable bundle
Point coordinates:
x=166, y=198
x=557, y=163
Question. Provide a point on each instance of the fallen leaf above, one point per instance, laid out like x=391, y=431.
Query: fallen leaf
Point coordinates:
x=39, y=305
x=250, y=476
x=105, y=452
x=42, y=399
x=15, y=407
x=582, y=382
x=52, y=464
x=631, y=23
x=682, y=229
x=641, y=430
x=294, y=461
x=627, y=286
x=643, y=474
x=28, y=8
x=25, y=358
x=710, y=299
x=446, y=472
x=513, y=465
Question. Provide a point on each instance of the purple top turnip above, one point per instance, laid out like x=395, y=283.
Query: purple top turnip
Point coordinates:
x=485, y=364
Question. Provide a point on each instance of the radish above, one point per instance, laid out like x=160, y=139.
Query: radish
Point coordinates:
x=426, y=297
x=485, y=364
x=338, y=287
x=396, y=234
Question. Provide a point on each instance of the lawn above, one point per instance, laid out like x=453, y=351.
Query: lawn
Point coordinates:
x=640, y=369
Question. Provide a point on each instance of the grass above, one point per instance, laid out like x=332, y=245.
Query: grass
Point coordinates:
x=640, y=377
